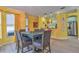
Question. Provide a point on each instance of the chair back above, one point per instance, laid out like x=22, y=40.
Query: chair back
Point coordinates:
x=47, y=36
x=39, y=30
x=22, y=30
x=21, y=35
x=18, y=37
x=25, y=39
x=18, y=41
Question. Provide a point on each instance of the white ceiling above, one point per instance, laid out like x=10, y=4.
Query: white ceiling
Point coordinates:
x=41, y=10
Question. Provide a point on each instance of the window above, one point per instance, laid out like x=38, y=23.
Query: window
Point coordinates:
x=10, y=19
x=0, y=27
x=26, y=24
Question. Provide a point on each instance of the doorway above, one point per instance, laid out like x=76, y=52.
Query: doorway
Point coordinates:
x=72, y=26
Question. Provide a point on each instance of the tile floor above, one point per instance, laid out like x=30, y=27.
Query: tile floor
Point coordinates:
x=57, y=46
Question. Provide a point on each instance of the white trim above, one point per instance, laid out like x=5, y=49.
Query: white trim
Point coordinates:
x=2, y=44
x=60, y=38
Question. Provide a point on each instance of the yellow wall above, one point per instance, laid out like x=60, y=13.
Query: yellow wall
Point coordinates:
x=4, y=27
x=78, y=23
x=32, y=19
x=22, y=19
x=40, y=22
x=9, y=10
x=61, y=31
x=19, y=23
x=75, y=13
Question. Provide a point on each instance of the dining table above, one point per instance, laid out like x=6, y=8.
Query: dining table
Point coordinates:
x=31, y=34
x=35, y=36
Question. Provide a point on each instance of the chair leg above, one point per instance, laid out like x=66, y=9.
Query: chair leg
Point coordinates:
x=43, y=49
x=34, y=51
x=17, y=47
x=27, y=47
x=22, y=49
x=49, y=49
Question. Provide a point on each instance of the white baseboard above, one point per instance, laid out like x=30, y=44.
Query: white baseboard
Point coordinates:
x=5, y=43
x=60, y=38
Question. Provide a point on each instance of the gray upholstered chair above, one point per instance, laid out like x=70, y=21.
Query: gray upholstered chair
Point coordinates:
x=46, y=40
x=22, y=42
x=43, y=41
x=18, y=41
x=26, y=41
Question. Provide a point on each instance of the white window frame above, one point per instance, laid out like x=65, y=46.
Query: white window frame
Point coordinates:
x=8, y=25
x=26, y=23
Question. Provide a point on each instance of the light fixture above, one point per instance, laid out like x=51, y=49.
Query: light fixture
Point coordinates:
x=45, y=14
x=63, y=7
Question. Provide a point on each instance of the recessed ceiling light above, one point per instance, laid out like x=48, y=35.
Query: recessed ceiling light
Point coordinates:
x=50, y=12
x=45, y=13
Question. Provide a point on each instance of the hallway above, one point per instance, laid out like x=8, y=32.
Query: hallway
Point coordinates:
x=57, y=46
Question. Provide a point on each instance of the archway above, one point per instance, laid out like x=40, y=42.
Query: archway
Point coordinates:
x=72, y=26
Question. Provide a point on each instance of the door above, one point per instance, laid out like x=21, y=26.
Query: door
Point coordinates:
x=72, y=26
